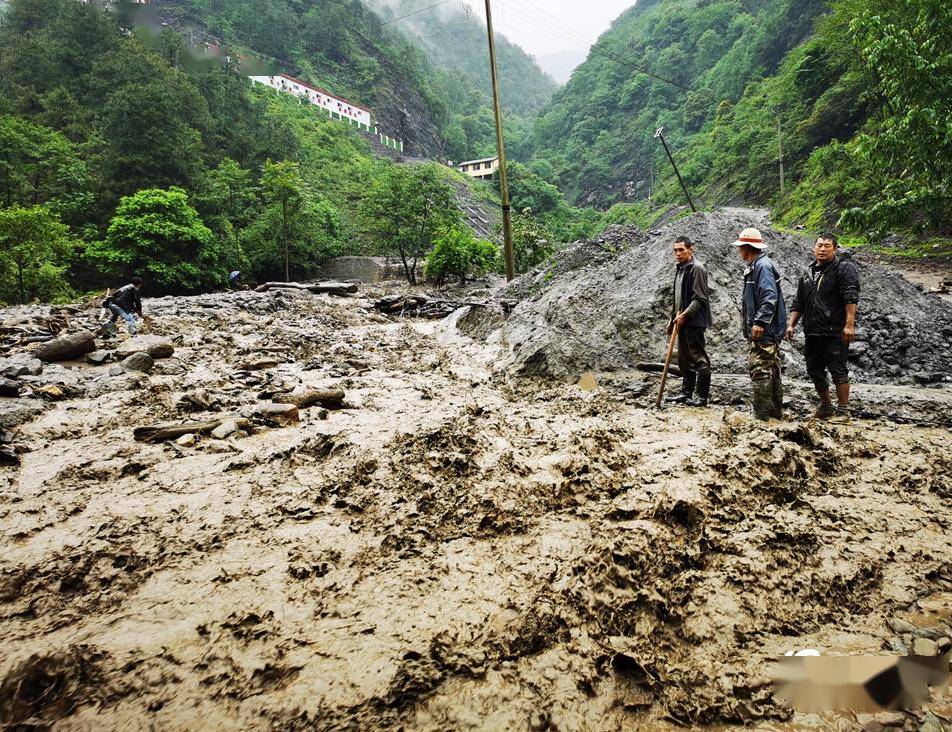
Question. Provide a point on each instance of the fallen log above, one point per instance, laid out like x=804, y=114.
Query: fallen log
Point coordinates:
x=658, y=368
x=171, y=431
x=262, y=364
x=329, y=398
x=421, y=306
x=67, y=348
x=329, y=288
x=282, y=414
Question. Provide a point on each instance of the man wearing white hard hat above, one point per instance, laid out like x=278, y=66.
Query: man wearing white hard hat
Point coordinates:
x=765, y=323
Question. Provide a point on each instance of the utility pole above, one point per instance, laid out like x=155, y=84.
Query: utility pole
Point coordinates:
x=677, y=172
x=780, y=153
x=501, y=145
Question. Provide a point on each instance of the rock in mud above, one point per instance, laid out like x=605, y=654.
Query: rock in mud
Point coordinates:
x=155, y=346
x=15, y=412
x=67, y=348
x=283, y=414
x=225, y=430
x=21, y=364
x=9, y=387
x=924, y=647
x=98, y=357
x=141, y=362
x=479, y=321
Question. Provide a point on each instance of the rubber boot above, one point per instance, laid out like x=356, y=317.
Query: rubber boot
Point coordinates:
x=703, y=391
x=687, y=388
x=763, y=399
x=776, y=393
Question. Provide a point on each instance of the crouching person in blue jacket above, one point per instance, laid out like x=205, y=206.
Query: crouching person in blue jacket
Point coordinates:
x=765, y=324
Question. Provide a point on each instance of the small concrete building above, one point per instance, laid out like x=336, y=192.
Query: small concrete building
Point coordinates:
x=483, y=169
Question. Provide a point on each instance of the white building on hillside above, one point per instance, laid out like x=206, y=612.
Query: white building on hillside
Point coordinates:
x=336, y=107
x=483, y=169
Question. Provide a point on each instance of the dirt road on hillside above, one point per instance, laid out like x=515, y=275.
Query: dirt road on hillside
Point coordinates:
x=453, y=550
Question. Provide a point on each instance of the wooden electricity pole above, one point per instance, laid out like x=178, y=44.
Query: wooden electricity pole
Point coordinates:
x=501, y=145
x=780, y=153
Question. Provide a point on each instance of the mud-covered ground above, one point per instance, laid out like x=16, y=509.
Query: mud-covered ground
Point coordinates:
x=453, y=550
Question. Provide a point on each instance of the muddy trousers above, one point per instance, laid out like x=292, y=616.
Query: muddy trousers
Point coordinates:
x=694, y=362
x=763, y=364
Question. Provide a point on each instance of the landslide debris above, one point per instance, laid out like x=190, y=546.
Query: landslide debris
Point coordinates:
x=427, y=546
x=603, y=305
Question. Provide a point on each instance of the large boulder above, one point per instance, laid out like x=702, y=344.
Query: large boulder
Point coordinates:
x=20, y=364
x=155, y=346
x=140, y=361
x=67, y=348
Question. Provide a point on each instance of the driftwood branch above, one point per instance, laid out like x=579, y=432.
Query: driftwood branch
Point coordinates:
x=163, y=432
x=330, y=288
x=329, y=398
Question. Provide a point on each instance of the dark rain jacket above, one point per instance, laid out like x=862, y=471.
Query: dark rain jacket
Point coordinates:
x=127, y=298
x=763, y=300
x=823, y=294
x=695, y=296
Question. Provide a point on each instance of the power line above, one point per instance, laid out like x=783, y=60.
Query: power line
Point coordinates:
x=547, y=21
x=417, y=12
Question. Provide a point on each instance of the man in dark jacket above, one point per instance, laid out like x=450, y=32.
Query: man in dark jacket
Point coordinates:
x=691, y=312
x=765, y=318
x=826, y=300
x=125, y=301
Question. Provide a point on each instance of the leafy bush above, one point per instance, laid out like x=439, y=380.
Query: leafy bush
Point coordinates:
x=158, y=235
x=458, y=253
x=35, y=248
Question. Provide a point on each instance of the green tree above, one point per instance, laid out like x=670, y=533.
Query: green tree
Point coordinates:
x=405, y=209
x=458, y=253
x=157, y=234
x=532, y=243
x=35, y=248
x=227, y=203
x=314, y=234
x=284, y=188
x=39, y=165
x=908, y=46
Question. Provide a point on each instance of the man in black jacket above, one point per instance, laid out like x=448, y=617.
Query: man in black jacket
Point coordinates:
x=826, y=300
x=125, y=301
x=691, y=312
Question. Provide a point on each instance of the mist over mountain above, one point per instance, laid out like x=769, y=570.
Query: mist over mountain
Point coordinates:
x=561, y=65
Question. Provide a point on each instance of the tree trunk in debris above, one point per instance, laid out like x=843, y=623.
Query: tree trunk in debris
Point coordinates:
x=163, y=432
x=330, y=288
x=330, y=398
x=67, y=348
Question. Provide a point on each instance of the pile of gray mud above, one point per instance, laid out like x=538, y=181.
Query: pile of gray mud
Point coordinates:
x=604, y=305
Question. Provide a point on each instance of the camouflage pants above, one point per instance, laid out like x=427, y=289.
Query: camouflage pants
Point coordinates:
x=763, y=364
x=763, y=360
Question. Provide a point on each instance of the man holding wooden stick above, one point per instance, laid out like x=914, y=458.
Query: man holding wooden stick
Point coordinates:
x=691, y=313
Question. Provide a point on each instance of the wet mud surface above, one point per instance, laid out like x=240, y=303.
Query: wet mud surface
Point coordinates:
x=453, y=550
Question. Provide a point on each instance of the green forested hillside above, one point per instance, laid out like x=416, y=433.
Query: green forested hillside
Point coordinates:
x=664, y=62
x=115, y=159
x=426, y=77
x=455, y=41
x=860, y=89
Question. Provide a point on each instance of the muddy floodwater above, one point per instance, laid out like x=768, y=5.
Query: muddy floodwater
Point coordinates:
x=453, y=549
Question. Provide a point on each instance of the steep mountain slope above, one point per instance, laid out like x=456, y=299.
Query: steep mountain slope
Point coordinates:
x=456, y=41
x=663, y=62
x=343, y=46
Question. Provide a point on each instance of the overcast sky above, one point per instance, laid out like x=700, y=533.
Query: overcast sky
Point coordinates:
x=543, y=27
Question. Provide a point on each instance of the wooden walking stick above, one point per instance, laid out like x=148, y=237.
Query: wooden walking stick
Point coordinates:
x=667, y=362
